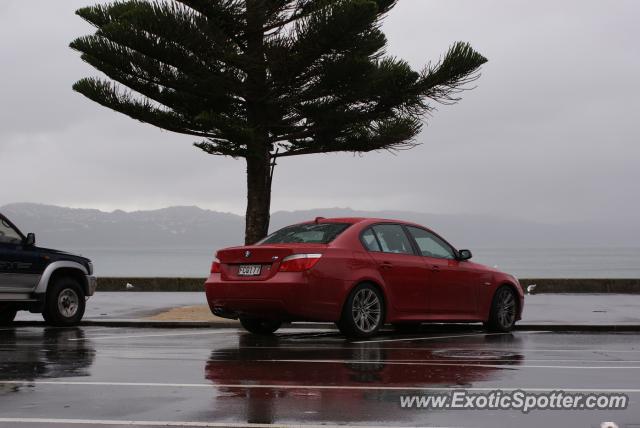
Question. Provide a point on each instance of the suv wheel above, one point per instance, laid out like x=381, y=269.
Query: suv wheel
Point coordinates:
x=260, y=326
x=65, y=303
x=363, y=313
x=7, y=314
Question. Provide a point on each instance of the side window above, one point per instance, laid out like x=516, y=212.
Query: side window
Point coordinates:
x=430, y=245
x=393, y=239
x=369, y=241
x=8, y=235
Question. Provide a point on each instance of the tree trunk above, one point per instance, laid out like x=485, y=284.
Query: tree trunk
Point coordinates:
x=258, y=198
x=258, y=157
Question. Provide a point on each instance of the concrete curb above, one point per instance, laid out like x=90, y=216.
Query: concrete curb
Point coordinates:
x=605, y=328
x=543, y=285
x=426, y=329
x=163, y=324
x=595, y=328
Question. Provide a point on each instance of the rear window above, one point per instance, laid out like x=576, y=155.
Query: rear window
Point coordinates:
x=322, y=233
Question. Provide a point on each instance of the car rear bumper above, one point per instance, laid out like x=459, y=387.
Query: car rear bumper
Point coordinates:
x=287, y=296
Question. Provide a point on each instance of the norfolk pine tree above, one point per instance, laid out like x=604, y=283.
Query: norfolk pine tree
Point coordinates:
x=264, y=79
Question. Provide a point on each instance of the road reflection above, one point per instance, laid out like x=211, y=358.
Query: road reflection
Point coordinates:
x=288, y=371
x=31, y=354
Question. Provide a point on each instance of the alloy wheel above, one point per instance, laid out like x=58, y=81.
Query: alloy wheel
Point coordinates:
x=506, y=308
x=366, y=310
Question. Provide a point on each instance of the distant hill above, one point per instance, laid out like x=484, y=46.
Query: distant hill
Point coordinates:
x=483, y=231
x=174, y=226
x=178, y=227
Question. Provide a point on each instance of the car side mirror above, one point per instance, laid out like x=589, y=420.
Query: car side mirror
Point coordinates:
x=31, y=240
x=464, y=255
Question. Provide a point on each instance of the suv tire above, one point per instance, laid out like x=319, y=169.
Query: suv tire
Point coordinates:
x=64, y=303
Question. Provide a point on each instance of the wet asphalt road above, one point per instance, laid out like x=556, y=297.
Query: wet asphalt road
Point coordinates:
x=553, y=309
x=96, y=375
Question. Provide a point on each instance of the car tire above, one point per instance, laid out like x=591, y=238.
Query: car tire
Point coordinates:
x=7, y=315
x=263, y=327
x=64, y=303
x=504, y=309
x=363, y=313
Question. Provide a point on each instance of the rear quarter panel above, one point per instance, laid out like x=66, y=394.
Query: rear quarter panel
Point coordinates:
x=345, y=265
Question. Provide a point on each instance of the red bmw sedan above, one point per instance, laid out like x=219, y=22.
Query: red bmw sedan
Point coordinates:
x=359, y=273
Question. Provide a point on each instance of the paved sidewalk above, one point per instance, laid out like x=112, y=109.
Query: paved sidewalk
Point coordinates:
x=131, y=305
x=542, y=309
x=583, y=309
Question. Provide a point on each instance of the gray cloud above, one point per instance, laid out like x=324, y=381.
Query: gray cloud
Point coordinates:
x=550, y=133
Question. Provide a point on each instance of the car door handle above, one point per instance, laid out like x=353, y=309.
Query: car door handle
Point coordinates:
x=386, y=265
x=435, y=268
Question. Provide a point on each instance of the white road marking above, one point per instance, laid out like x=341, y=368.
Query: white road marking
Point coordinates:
x=37, y=328
x=453, y=364
x=404, y=339
x=451, y=361
x=525, y=350
x=177, y=423
x=193, y=333
x=320, y=347
x=198, y=333
x=520, y=351
x=321, y=387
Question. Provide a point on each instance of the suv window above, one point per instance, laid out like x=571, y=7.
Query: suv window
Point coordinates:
x=393, y=239
x=430, y=245
x=322, y=233
x=8, y=235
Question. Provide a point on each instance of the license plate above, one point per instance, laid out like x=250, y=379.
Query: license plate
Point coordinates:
x=249, y=270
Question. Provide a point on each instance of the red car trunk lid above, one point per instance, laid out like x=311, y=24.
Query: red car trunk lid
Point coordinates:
x=268, y=257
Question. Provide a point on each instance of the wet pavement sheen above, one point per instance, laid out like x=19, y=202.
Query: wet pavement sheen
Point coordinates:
x=302, y=376
x=553, y=309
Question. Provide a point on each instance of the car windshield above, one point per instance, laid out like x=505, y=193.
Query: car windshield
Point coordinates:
x=322, y=233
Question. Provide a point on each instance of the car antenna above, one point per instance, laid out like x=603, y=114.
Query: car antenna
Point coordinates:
x=317, y=220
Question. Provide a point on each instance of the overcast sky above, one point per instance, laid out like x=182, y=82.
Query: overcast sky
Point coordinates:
x=550, y=134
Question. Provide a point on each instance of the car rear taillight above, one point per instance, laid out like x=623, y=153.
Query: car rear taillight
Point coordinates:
x=216, y=267
x=299, y=262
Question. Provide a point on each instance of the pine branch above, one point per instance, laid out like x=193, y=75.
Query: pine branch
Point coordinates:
x=315, y=81
x=393, y=134
x=225, y=19
x=221, y=148
x=173, y=34
x=300, y=10
x=108, y=95
x=442, y=81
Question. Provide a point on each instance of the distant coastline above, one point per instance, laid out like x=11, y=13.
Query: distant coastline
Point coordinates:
x=181, y=241
x=195, y=262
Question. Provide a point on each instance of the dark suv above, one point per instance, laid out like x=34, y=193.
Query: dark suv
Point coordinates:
x=41, y=280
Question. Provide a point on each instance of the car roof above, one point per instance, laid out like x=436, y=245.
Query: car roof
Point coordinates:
x=367, y=220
